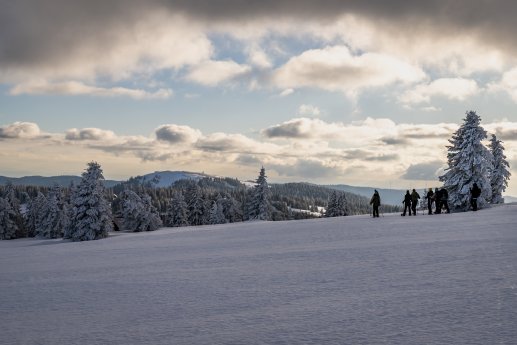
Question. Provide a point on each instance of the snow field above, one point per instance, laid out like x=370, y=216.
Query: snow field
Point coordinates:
x=441, y=279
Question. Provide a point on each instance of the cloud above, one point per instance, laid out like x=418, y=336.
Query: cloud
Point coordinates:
x=426, y=131
x=52, y=39
x=94, y=134
x=505, y=130
x=20, y=130
x=234, y=143
x=394, y=141
x=308, y=110
x=176, y=134
x=306, y=168
x=56, y=40
x=335, y=68
x=457, y=89
x=423, y=171
x=508, y=84
x=286, y=92
x=77, y=88
x=366, y=155
x=301, y=128
x=258, y=57
x=248, y=160
x=212, y=73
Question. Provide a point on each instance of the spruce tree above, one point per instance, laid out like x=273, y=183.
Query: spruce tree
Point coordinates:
x=331, y=210
x=138, y=212
x=342, y=205
x=500, y=173
x=10, y=197
x=92, y=217
x=232, y=209
x=195, y=204
x=37, y=210
x=468, y=162
x=54, y=217
x=337, y=205
x=216, y=213
x=8, y=226
x=152, y=220
x=177, y=211
x=260, y=203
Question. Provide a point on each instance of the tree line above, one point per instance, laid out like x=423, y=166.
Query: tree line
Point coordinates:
x=89, y=211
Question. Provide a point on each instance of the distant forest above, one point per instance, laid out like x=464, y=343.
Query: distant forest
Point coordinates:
x=288, y=200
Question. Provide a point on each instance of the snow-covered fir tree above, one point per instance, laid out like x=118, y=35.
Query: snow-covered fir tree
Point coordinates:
x=500, y=173
x=10, y=197
x=36, y=211
x=331, y=205
x=152, y=220
x=195, y=204
x=138, y=212
x=177, y=211
x=337, y=205
x=216, y=213
x=260, y=207
x=54, y=215
x=232, y=209
x=468, y=162
x=91, y=218
x=8, y=226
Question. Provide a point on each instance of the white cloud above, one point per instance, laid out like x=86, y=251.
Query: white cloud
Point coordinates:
x=452, y=88
x=508, y=84
x=148, y=42
x=337, y=69
x=302, y=128
x=234, y=143
x=286, y=92
x=360, y=152
x=258, y=57
x=176, y=134
x=78, y=88
x=20, y=130
x=95, y=134
x=212, y=73
x=308, y=110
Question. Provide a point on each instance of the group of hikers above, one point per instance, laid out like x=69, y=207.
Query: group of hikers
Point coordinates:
x=440, y=198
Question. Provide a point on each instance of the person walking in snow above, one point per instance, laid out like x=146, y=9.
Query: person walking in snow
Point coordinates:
x=414, y=201
x=430, y=198
x=444, y=200
x=437, y=201
x=407, y=203
x=475, y=192
x=375, y=201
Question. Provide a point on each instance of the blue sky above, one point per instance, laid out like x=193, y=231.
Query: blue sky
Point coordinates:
x=336, y=92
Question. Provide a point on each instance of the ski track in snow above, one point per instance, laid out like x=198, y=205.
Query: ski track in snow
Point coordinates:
x=441, y=279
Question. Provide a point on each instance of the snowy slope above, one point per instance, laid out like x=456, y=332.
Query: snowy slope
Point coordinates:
x=169, y=177
x=441, y=279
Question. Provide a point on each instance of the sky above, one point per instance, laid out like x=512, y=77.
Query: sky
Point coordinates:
x=363, y=93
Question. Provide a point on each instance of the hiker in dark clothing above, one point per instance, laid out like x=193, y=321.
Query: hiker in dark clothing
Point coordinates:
x=430, y=198
x=444, y=200
x=437, y=201
x=475, y=192
x=375, y=201
x=414, y=201
x=407, y=203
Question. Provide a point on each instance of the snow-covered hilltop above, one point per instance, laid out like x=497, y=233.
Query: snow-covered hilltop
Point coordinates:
x=441, y=279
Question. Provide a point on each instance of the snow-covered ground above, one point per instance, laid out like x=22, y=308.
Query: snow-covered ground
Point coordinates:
x=441, y=279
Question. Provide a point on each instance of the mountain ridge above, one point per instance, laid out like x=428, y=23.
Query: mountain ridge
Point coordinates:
x=168, y=177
